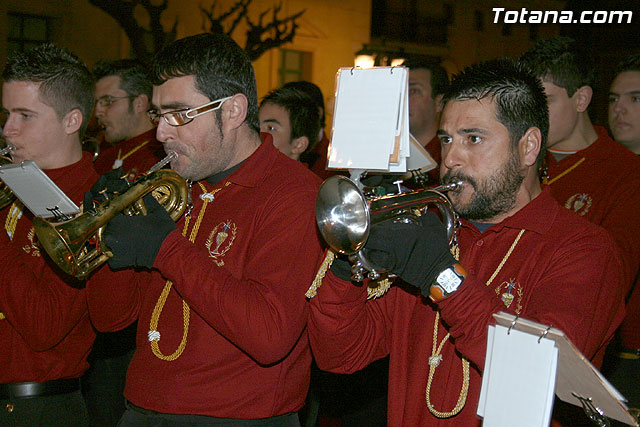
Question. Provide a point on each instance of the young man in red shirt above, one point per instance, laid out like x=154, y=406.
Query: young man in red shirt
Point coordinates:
x=588, y=172
x=45, y=332
x=517, y=251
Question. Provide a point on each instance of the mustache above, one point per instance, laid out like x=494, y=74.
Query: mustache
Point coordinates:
x=452, y=176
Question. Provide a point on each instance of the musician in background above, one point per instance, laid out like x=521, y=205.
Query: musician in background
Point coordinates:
x=293, y=119
x=517, y=251
x=588, y=172
x=221, y=313
x=45, y=332
x=622, y=368
x=123, y=96
x=427, y=83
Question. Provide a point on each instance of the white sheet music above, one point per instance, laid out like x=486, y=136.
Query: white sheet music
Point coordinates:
x=371, y=120
x=518, y=381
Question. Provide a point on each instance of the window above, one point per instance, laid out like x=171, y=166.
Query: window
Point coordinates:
x=295, y=65
x=27, y=31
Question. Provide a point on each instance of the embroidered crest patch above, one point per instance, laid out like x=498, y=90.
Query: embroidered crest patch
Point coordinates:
x=220, y=240
x=510, y=290
x=579, y=203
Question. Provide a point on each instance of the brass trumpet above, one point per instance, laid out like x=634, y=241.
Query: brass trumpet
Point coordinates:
x=68, y=242
x=6, y=195
x=345, y=216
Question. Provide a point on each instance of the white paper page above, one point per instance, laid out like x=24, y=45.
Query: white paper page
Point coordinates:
x=520, y=380
x=365, y=118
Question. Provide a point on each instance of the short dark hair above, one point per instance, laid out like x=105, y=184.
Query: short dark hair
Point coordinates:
x=304, y=116
x=65, y=81
x=134, y=76
x=314, y=92
x=220, y=67
x=439, y=80
x=518, y=96
x=561, y=60
x=629, y=63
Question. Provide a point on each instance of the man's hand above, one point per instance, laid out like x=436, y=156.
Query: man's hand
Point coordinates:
x=136, y=240
x=105, y=187
x=416, y=253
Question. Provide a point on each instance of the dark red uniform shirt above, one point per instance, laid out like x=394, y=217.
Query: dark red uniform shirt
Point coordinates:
x=256, y=252
x=136, y=155
x=46, y=333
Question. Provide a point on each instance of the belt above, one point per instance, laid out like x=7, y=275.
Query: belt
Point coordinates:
x=32, y=389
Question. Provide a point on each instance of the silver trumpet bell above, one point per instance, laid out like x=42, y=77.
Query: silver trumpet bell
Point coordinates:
x=345, y=216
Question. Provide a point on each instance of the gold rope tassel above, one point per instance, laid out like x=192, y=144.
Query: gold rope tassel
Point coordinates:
x=154, y=335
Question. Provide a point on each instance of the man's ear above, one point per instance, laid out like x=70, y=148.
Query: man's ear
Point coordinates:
x=529, y=146
x=72, y=121
x=140, y=103
x=582, y=98
x=299, y=144
x=438, y=101
x=234, y=111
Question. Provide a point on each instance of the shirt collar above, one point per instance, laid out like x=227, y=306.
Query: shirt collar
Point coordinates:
x=536, y=216
x=251, y=171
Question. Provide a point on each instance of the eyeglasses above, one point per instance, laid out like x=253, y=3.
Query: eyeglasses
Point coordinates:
x=107, y=100
x=186, y=115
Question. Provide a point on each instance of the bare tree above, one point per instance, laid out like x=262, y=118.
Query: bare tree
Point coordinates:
x=145, y=41
x=261, y=36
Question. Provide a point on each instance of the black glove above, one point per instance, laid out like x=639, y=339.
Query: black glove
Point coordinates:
x=341, y=268
x=136, y=240
x=105, y=187
x=416, y=253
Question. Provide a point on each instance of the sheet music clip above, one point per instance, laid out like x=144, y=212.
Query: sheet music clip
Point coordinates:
x=58, y=215
x=513, y=323
x=544, y=334
x=594, y=413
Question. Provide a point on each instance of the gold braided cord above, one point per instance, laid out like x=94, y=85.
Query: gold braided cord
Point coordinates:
x=157, y=310
x=434, y=361
x=513, y=246
x=436, y=350
x=13, y=215
x=324, y=267
x=575, y=165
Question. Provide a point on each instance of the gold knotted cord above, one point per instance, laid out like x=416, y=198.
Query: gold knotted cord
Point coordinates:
x=375, y=289
x=436, y=350
x=154, y=335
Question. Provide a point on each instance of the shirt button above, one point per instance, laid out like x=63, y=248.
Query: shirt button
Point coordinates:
x=479, y=242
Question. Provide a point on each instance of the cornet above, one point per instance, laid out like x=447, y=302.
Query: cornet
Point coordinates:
x=68, y=242
x=6, y=195
x=345, y=216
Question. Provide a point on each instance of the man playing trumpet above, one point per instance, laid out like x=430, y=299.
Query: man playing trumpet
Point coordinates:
x=45, y=333
x=221, y=313
x=517, y=251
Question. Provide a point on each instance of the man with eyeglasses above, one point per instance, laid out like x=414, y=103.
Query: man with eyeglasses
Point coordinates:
x=45, y=332
x=123, y=94
x=220, y=297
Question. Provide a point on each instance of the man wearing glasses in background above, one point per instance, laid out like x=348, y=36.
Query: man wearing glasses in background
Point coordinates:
x=123, y=94
x=221, y=309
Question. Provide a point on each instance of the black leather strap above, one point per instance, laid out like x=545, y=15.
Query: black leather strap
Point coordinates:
x=33, y=389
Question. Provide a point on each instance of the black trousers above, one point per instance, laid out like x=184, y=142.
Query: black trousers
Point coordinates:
x=60, y=410
x=138, y=417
